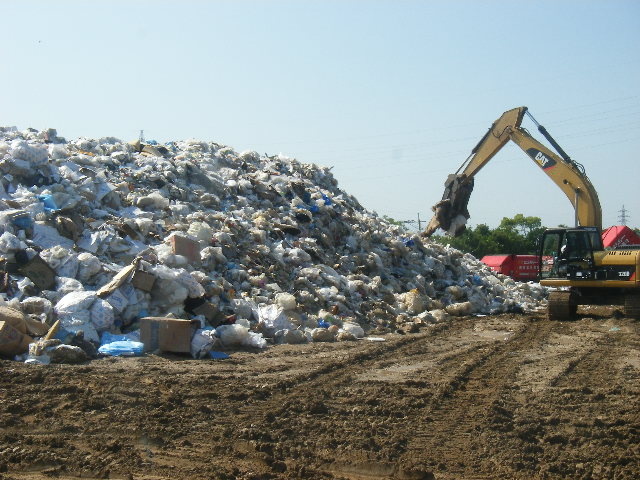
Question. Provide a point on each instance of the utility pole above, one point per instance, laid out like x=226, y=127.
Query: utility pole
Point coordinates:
x=414, y=222
x=623, y=216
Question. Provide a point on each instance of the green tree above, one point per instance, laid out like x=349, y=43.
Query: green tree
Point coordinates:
x=393, y=221
x=521, y=224
x=477, y=241
x=519, y=234
x=514, y=235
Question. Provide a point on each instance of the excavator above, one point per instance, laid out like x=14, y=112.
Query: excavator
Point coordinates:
x=573, y=260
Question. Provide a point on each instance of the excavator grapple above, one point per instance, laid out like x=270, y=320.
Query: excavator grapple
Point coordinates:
x=451, y=213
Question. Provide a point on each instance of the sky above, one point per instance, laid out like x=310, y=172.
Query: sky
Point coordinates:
x=393, y=95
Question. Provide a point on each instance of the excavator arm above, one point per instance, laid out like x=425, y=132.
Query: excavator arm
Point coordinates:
x=451, y=214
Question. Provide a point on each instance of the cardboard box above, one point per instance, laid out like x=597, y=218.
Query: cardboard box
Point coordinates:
x=12, y=341
x=186, y=247
x=143, y=280
x=13, y=317
x=118, y=300
x=209, y=311
x=40, y=273
x=22, y=323
x=167, y=334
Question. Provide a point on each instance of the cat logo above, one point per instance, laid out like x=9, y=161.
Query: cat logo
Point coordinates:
x=545, y=162
x=542, y=160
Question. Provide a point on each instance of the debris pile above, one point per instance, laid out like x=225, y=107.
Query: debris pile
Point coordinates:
x=102, y=237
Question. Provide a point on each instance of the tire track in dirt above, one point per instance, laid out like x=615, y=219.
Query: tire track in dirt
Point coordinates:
x=258, y=431
x=299, y=410
x=489, y=397
x=298, y=406
x=322, y=377
x=447, y=433
x=585, y=410
x=606, y=350
x=530, y=429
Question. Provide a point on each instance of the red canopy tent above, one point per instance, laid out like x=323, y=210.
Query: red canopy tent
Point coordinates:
x=518, y=267
x=619, y=236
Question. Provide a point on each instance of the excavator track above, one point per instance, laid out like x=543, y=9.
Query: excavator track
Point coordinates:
x=632, y=305
x=562, y=306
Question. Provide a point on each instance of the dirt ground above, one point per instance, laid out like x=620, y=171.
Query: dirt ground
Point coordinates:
x=510, y=396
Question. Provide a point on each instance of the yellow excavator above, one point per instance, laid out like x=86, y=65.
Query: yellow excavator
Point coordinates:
x=571, y=259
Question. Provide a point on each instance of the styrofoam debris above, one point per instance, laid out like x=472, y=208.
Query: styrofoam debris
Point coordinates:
x=354, y=329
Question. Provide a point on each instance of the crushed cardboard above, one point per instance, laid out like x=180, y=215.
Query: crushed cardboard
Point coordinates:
x=12, y=341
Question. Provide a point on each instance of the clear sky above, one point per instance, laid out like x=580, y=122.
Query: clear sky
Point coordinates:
x=392, y=94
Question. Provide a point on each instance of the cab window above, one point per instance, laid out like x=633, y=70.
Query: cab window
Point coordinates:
x=551, y=245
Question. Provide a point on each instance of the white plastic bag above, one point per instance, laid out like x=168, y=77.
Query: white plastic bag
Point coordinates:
x=255, y=340
x=202, y=342
x=232, y=335
x=273, y=318
x=76, y=305
x=239, y=335
x=201, y=231
x=354, y=329
x=286, y=301
x=243, y=308
x=68, y=267
x=102, y=315
x=89, y=265
x=9, y=242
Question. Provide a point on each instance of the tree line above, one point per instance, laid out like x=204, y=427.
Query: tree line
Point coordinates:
x=518, y=235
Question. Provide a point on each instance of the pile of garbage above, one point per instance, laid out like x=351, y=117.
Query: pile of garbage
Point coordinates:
x=101, y=238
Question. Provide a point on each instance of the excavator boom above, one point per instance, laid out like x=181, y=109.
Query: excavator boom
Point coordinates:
x=451, y=214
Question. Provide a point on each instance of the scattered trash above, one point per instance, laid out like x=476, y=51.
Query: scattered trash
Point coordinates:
x=40, y=273
x=12, y=341
x=218, y=355
x=54, y=351
x=122, y=348
x=292, y=337
x=202, y=342
x=356, y=330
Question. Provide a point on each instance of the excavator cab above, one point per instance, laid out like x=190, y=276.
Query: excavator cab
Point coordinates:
x=567, y=253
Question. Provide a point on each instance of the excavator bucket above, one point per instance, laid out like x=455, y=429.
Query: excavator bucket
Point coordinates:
x=450, y=213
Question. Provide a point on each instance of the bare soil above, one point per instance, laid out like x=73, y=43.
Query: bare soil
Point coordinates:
x=507, y=397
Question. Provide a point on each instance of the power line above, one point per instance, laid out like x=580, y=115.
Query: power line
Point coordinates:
x=419, y=131
x=416, y=223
